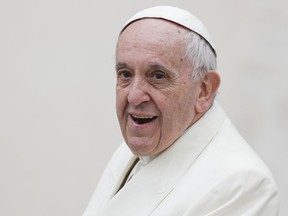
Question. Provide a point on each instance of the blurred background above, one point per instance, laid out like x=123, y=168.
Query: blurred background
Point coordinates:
x=58, y=125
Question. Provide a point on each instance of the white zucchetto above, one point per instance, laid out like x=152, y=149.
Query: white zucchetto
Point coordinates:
x=176, y=15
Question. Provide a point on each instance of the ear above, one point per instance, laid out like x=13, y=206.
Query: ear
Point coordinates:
x=207, y=91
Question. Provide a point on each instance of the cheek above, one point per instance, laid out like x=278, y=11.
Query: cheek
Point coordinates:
x=180, y=111
x=120, y=102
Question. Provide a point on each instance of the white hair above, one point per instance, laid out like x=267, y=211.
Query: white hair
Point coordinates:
x=200, y=54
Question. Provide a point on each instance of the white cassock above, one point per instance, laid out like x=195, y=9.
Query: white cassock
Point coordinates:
x=209, y=171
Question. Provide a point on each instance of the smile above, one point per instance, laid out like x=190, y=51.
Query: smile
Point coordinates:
x=143, y=119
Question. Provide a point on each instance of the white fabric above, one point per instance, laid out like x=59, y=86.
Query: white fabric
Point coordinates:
x=142, y=162
x=209, y=171
x=176, y=15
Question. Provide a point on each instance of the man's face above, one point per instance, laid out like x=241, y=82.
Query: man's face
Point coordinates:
x=155, y=93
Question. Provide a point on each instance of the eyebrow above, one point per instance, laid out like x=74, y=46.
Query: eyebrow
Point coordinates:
x=120, y=65
x=154, y=66
x=157, y=66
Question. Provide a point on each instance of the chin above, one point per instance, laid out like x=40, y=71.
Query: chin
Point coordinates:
x=141, y=148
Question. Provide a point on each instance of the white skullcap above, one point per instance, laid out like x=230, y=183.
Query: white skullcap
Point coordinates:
x=176, y=15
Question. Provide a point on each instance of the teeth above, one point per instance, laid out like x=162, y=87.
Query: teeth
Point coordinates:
x=141, y=117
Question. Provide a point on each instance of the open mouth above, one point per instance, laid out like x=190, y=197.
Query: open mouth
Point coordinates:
x=143, y=120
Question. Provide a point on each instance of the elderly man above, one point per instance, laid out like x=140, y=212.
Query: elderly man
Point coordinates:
x=182, y=155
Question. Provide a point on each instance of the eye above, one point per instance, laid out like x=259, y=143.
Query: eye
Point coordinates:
x=159, y=79
x=124, y=75
x=158, y=76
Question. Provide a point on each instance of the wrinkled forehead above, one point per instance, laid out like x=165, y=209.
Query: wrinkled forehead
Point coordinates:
x=175, y=15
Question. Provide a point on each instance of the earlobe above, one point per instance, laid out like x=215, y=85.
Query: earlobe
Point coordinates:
x=207, y=91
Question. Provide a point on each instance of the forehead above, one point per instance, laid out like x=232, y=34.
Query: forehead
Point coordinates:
x=154, y=28
x=152, y=34
x=153, y=41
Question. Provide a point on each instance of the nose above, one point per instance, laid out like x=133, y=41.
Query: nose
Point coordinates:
x=138, y=93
